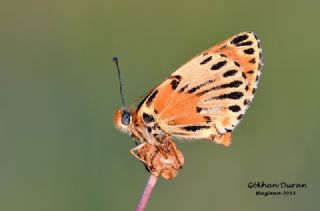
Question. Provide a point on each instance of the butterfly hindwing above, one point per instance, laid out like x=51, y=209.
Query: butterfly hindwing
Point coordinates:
x=207, y=96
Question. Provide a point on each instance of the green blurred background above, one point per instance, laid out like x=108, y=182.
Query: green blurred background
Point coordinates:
x=59, y=149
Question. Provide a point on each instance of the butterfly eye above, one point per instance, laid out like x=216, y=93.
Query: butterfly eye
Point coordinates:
x=125, y=117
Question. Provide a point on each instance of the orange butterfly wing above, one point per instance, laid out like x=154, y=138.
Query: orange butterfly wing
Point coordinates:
x=207, y=96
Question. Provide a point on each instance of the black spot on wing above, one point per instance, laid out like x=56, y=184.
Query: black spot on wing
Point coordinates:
x=176, y=77
x=236, y=63
x=174, y=84
x=198, y=109
x=193, y=89
x=244, y=43
x=195, y=127
x=206, y=60
x=234, y=108
x=249, y=51
x=175, y=81
x=151, y=97
x=233, y=84
x=183, y=88
x=254, y=90
x=240, y=116
x=239, y=39
x=228, y=130
x=252, y=61
x=229, y=73
x=224, y=46
x=231, y=95
x=207, y=118
x=223, y=55
x=218, y=65
x=142, y=101
x=147, y=118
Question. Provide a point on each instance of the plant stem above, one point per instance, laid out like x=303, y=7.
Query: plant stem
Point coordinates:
x=147, y=193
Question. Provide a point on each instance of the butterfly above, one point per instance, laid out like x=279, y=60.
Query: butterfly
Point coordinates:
x=203, y=99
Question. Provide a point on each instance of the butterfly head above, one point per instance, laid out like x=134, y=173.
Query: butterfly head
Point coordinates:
x=123, y=120
x=123, y=116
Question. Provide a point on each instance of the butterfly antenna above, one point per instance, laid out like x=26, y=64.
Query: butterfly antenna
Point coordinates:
x=116, y=61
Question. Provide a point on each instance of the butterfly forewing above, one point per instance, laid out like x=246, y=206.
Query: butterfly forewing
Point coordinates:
x=209, y=94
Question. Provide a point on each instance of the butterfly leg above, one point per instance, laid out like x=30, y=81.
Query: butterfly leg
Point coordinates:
x=146, y=154
x=135, y=149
